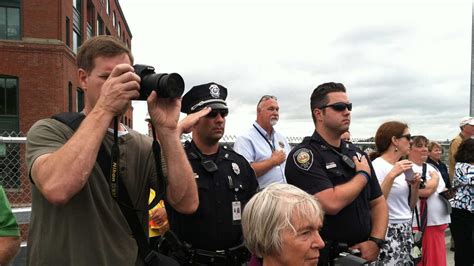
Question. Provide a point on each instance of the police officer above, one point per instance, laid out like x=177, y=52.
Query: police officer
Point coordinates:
x=341, y=178
x=213, y=234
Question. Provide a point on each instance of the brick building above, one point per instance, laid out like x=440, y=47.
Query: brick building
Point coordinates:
x=38, y=45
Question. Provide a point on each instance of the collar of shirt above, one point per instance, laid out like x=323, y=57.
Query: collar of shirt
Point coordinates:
x=345, y=148
x=268, y=136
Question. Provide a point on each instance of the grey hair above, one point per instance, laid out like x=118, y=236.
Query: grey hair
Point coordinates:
x=270, y=211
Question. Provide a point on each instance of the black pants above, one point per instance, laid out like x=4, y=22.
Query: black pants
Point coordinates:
x=462, y=229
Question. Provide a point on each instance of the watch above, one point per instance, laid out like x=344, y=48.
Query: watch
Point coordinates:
x=380, y=242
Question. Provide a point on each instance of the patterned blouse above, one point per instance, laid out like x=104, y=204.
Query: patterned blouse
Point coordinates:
x=464, y=176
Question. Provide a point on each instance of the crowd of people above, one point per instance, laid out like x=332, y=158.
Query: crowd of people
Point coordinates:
x=103, y=194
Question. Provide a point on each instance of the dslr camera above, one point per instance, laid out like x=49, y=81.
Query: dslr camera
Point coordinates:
x=166, y=85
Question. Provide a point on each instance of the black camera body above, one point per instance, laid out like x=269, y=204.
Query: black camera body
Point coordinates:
x=166, y=85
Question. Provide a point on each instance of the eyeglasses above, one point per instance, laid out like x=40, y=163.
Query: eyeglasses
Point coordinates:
x=267, y=97
x=222, y=112
x=407, y=136
x=339, y=106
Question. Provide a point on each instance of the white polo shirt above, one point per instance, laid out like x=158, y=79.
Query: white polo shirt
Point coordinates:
x=254, y=146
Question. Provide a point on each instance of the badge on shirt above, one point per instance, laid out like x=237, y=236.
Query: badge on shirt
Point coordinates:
x=236, y=211
x=303, y=158
x=236, y=168
x=281, y=144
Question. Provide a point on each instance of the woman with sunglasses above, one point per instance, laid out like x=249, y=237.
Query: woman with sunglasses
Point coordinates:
x=437, y=217
x=396, y=179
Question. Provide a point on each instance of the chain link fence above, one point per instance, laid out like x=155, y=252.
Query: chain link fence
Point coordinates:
x=14, y=175
x=13, y=172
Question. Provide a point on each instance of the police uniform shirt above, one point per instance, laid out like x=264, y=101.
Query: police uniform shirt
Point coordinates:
x=314, y=167
x=212, y=226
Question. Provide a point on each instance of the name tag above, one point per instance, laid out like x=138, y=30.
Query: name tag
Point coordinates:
x=331, y=165
x=236, y=211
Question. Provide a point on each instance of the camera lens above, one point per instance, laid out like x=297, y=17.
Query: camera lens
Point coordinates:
x=170, y=86
x=165, y=85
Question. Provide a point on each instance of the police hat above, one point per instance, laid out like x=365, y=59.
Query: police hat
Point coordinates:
x=198, y=97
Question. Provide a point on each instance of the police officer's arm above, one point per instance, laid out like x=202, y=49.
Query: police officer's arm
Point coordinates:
x=379, y=218
x=334, y=199
x=61, y=174
x=181, y=191
x=186, y=125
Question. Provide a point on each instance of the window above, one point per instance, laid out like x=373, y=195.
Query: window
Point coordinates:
x=8, y=96
x=76, y=25
x=77, y=4
x=113, y=19
x=10, y=20
x=107, y=6
x=119, y=30
x=100, y=26
x=90, y=19
x=68, y=32
x=76, y=41
x=69, y=96
x=79, y=99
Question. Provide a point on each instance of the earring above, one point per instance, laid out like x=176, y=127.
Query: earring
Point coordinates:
x=396, y=149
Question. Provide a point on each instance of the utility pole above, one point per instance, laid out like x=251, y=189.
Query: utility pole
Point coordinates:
x=471, y=102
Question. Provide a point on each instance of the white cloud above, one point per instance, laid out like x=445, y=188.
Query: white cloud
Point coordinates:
x=400, y=60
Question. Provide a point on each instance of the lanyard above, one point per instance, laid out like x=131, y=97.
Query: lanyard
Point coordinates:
x=268, y=141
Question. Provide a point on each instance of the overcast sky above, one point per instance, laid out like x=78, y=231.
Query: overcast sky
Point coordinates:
x=399, y=60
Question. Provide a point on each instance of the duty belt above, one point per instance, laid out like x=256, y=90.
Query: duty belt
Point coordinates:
x=232, y=256
x=187, y=255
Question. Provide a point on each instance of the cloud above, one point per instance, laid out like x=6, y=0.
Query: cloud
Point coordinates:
x=399, y=60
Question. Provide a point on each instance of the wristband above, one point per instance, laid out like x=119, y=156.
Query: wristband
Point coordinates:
x=380, y=242
x=364, y=173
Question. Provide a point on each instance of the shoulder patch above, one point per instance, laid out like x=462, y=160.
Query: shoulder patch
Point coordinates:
x=303, y=158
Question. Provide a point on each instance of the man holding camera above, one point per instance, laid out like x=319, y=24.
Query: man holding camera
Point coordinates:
x=76, y=216
x=213, y=234
x=341, y=177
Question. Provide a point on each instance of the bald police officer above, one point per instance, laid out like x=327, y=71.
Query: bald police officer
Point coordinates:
x=225, y=181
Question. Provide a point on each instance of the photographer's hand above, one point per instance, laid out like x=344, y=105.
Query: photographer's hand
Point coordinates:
x=186, y=125
x=119, y=88
x=181, y=190
x=164, y=113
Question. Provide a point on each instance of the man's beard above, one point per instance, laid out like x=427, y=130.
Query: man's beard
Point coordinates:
x=273, y=121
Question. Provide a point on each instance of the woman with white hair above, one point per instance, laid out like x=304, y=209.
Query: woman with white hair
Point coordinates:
x=281, y=226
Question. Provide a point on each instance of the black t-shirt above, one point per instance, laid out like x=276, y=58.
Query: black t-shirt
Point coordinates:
x=313, y=166
x=212, y=226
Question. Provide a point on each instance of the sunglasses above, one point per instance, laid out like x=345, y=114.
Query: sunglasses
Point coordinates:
x=222, y=112
x=267, y=97
x=339, y=106
x=407, y=136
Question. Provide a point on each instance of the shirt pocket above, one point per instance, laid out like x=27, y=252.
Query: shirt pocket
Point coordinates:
x=205, y=199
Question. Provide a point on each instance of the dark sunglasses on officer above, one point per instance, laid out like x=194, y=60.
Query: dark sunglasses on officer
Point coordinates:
x=214, y=112
x=339, y=106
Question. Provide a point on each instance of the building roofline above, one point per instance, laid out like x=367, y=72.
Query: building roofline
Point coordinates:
x=124, y=19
